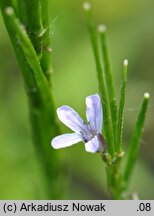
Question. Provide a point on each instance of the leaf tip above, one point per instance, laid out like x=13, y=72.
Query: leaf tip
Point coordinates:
x=86, y=6
x=101, y=28
x=9, y=11
x=125, y=62
x=146, y=95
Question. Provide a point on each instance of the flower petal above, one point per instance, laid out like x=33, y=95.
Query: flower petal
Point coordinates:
x=65, y=140
x=71, y=118
x=94, y=112
x=94, y=145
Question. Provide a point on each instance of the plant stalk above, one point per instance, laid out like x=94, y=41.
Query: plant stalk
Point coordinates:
x=41, y=106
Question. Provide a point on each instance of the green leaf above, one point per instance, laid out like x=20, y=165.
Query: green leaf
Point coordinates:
x=135, y=139
x=108, y=77
x=120, y=118
x=36, y=22
x=24, y=42
x=26, y=70
x=31, y=16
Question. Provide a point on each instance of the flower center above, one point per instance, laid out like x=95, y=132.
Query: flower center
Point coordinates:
x=88, y=134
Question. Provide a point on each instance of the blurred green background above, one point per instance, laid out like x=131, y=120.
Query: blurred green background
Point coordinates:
x=130, y=35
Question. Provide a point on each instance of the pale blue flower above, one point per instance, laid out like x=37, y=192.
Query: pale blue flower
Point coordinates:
x=90, y=133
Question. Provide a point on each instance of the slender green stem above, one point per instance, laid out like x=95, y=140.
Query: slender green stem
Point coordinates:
x=31, y=56
x=26, y=70
x=40, y=99
x=114, y=180
x=37, y=25
x=114, y=176
x=22, y=12
x=31, y=16
x=47, y=159
x=101, y=80
x=120, y=119
x=14, y=5
x=45, y=37
x=109, y=78
x=135, y=139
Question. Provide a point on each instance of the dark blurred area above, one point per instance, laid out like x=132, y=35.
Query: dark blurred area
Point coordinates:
x=130, y=35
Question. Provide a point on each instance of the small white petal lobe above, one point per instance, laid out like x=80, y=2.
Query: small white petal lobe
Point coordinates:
x=93, y=145
x=71, y=118
x=94, y=112
x=65, y=140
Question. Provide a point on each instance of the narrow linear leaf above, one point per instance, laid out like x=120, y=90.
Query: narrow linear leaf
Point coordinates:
x=37, y=25
x=108, y=77
x=135, y=139
x=22, y=12
x=14, y=4
x=26, y=70
x=30, y=54
x=33, y=21
x=120, y=118
x=101, y=80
